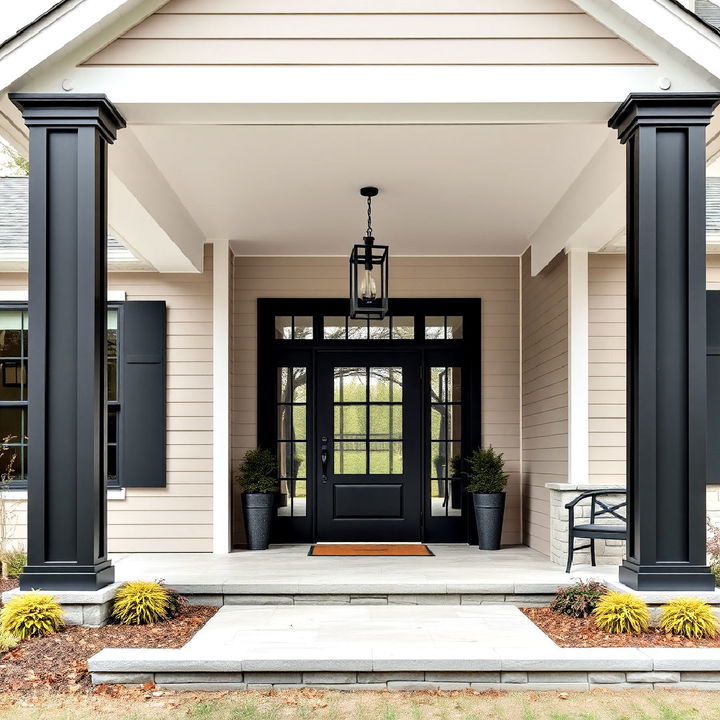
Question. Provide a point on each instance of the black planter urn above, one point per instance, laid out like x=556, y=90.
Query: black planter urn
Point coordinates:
x=489, y=512
x=258, y=517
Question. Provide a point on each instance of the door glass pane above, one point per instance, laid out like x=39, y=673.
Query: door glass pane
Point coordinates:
x=334, y=328
x=303, y=328
x=438, y=384
x=435, y=327
x=350, y=422
x=454, y=418
x=357, y=329
x=283, y=327
x=454, y=384
x=291, y=435
x=386, y=458
x=299, y=384
x=446, y=493
x=385, y=384
x=385, y=422
x=380, y=329
x=362, y=393
x=349, y=458
x=350, y=384
x=403, y=327
x=454, y=327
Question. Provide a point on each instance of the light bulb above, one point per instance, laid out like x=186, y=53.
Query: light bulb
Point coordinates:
x=368, y=289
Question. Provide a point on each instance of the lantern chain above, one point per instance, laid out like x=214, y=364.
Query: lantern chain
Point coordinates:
x=369, y=215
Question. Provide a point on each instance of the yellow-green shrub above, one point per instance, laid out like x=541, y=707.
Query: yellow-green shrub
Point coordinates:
x=7, y=641
x=141, y=603
x=31, y=615
x=689, y=617
x=621, y=613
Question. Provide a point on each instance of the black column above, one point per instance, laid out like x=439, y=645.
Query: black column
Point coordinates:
x=67, y=525
x=666, y=342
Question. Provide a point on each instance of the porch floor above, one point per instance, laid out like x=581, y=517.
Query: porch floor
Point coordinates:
x=287, y=569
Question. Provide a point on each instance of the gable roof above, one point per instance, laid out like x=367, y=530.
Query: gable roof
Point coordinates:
x=14, y=232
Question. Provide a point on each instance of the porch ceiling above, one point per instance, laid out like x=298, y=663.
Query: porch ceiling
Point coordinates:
x=446, y=189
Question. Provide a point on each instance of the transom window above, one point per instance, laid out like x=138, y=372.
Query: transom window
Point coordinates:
x=14, y=397
x=341, y=327
x=443, y=327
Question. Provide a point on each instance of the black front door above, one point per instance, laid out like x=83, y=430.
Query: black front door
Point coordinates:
x=369, y=449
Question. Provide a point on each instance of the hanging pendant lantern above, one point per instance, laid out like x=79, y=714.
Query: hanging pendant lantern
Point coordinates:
x=369, y=271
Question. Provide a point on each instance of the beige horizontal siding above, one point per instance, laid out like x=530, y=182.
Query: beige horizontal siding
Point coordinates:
x=398, y=32
x=607, y=376
x=544, y=394
x=495, y=280
x=391, y=27
x=178, y=517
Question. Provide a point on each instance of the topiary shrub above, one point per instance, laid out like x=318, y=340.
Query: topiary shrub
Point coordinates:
x=257, y=472
x=579, y=599
x=621, y=613
x=32, y=614
x=689, y=617
x=7, y=642
x=143, y=602
x=485, y=471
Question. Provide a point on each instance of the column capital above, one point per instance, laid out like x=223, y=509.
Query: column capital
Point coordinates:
x=70, y=110
x=662, y=109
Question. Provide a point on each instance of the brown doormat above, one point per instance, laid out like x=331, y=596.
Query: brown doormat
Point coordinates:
x=370, y=549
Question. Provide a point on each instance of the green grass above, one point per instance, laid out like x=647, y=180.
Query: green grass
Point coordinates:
x=320, y=705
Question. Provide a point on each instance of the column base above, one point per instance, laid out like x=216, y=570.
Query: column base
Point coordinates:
x=664, y=577
x=67, y=577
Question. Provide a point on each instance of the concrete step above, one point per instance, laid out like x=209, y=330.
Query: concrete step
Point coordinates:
x=397, y=648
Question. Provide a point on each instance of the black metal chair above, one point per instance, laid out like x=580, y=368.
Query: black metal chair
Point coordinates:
x=593, y=530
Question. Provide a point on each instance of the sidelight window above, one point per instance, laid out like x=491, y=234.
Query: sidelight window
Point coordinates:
x=445, y=439
x=368, y=429
x=292, y=440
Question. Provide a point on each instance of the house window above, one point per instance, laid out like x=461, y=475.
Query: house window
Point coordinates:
x=14, y=396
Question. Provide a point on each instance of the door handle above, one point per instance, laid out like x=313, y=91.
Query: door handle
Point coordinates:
x=324, y=455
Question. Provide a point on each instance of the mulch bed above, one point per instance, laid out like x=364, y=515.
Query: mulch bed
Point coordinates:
x=59, y=662
x=7, y=584
x=572, y=632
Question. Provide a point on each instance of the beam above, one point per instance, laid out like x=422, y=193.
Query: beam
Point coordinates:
x=578, y=368
x=583, y=210
x=148, y=214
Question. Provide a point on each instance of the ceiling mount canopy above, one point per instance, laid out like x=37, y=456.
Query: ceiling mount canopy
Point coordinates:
x=369, y=271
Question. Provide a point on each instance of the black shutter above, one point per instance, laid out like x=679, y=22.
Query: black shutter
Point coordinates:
x=142, y=444
x=713, y=387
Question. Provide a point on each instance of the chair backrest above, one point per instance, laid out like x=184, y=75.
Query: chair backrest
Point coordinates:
x=600, y=507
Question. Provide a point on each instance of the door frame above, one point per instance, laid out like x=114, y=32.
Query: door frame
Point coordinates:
x=273, y=353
